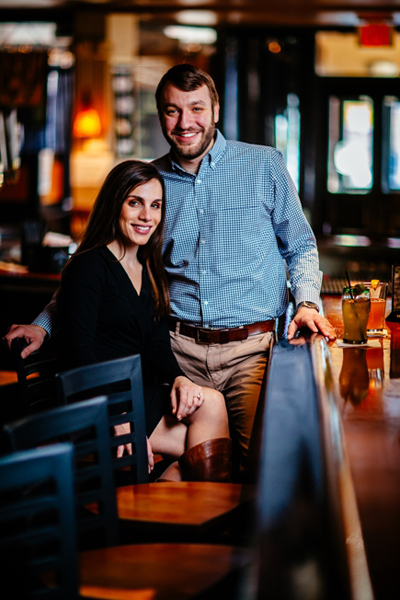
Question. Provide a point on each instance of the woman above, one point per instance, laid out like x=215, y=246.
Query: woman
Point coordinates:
x=114, y=302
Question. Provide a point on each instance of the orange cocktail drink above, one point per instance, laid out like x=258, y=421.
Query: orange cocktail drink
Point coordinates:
x=376, y=321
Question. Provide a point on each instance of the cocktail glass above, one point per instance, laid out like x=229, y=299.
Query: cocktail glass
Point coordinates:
x=356, y=307
x=376, y=321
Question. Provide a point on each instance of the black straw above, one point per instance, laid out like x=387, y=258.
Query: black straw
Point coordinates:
x=349, y=282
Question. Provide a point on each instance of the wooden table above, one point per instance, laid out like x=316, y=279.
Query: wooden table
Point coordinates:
x=159, y=571
x=368, y=381
x=184, y=507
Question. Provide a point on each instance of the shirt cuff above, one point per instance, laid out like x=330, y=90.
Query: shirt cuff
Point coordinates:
x=309, y=294
x=46, y=321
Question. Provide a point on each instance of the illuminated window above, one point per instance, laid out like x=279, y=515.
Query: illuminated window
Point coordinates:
x=351, y=125
x=391, y=144
x=287, y=136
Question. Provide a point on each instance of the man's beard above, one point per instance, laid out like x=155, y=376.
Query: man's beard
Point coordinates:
x=194, y=151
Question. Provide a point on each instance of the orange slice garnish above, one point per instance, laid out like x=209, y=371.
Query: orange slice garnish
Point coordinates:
x=374, y=283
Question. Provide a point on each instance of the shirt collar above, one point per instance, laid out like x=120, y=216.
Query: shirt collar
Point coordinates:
x=218, y=149
x=212, y=157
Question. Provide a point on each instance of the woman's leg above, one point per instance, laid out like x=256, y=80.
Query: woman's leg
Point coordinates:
x=169, y=438
x=209, y=421
x=209, y=448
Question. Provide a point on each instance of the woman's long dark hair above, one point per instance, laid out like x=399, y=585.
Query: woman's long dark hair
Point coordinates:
x=102, y=227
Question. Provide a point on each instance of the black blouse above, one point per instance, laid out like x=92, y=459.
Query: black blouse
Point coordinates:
x=103, y=317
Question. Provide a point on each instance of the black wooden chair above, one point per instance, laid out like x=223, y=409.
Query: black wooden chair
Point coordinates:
x=36, y=376
x=38, y=552
x=164, y=570
x=37, y=524
x=121, y=380
x=85, y=424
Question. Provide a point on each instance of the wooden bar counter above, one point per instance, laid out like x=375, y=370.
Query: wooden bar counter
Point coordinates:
x=368, y=392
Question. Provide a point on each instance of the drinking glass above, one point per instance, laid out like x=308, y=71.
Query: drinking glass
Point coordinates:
x=356, y=305
x=376, y=321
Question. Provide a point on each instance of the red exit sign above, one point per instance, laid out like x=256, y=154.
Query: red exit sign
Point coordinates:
x=375, y=34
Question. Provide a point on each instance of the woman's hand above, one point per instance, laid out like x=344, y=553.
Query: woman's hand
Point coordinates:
x=122, y=430
x=126, y=428
x=186, y=397
x=150, y=456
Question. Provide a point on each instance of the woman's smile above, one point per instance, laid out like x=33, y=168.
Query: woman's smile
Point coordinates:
x=141, y=228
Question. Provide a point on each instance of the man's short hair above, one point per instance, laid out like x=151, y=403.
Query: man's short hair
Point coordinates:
x=186, y=78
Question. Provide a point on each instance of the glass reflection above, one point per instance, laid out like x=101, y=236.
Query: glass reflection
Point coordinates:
x=375, y=368
x=354, y=376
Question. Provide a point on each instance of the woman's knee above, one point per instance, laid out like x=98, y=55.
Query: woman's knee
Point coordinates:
x=214, y=404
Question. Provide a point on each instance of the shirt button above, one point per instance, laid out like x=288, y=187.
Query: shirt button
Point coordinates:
x=201, y=211
x=205, y=302
x=198, y=181
x=203, y=241
x=204, y=272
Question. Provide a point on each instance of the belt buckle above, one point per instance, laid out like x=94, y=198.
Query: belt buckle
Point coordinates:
x=199, y=330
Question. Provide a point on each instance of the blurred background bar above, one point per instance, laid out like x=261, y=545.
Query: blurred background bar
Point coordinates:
x=318, y=81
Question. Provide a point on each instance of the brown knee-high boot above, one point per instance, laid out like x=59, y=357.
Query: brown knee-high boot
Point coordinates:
x=208, y=461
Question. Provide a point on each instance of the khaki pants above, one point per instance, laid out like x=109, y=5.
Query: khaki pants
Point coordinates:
x=236, y=369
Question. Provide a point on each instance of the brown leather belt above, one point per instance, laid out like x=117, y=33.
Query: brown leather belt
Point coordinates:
x=221, y=336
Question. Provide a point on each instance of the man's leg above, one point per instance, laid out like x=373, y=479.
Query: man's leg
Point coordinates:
x=192, y=359
x=237, y=370
x=243, y=367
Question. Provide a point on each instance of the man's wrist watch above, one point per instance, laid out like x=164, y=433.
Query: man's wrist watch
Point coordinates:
x=307, y=304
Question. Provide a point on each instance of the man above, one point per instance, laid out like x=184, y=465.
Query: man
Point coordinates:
x=234, y=225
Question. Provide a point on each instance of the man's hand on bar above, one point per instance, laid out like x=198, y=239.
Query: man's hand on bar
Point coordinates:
x=33, y=334
x=311, y=318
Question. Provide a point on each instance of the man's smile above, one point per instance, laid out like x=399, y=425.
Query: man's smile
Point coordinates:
x=186, y=135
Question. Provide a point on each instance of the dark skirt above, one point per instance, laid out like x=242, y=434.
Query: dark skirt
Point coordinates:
x=157, y=403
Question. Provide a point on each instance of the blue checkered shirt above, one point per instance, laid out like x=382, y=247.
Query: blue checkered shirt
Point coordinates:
x=231, y=232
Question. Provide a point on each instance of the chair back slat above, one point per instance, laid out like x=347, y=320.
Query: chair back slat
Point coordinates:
x=38, y=555
x=85, y=425
x=36, y=376
x=121, y=380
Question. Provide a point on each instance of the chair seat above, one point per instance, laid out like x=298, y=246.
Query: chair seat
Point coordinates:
x=194, y=505
x=157, y=571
